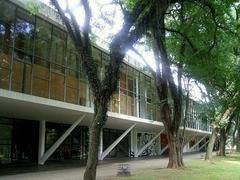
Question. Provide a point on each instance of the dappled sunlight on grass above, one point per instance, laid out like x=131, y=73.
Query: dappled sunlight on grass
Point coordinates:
x=221, y=168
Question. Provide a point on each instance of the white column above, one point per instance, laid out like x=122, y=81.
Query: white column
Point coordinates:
x=100, y=150
x=115, y=143
x=137, y=95
x=41, y=142
x=134, y=145
x=51, y=150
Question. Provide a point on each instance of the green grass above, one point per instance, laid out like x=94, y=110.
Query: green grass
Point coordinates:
x=221, y=168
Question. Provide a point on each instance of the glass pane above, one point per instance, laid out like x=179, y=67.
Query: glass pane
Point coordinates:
x=72, y=95
x=72, y=79
x=21, y=77
x=41, y=72
x=131, y=104
x=58, y=49
x=17, y=76
x=73, y=61
x=5, y=60
x=123, y=77
x=123, y=102
x=4, y=78
x=115, y=103
x=149, y=111
x=40, y=87
x=57, y=86
x=5, y=143
x=42, y=41
x=24, y=39
x=83, y=93
x=6, y=24
x=5, y=134
x=142, y=107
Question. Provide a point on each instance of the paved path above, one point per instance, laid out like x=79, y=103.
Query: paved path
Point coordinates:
x=104, y=171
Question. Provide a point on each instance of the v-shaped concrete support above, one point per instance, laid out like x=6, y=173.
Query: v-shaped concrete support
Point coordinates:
x=203, y=145
x=115, y=143
x=51, y=150
x=148, y=144
x=195, y=145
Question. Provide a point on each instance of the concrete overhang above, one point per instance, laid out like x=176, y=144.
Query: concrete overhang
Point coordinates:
x=28, y=107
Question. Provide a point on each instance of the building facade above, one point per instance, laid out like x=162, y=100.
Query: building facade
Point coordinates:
x=46, y=104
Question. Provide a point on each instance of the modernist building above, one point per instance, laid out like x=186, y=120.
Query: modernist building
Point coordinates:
x=45, y=100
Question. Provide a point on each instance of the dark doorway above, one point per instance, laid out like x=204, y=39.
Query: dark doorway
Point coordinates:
x=25, y=141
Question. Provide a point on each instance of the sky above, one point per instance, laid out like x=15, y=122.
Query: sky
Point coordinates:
x=105, y=31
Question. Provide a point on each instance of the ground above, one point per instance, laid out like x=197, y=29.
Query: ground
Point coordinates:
x=221, y=168
x=146, y=169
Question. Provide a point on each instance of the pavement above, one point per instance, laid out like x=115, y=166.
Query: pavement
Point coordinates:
x=105, y=170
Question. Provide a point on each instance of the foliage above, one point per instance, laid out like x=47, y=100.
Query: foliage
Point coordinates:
x=33, y=7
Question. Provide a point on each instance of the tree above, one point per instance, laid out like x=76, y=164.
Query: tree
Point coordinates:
x=196, y=29
x=215, y=66
x=171, y=13
x=102, y=89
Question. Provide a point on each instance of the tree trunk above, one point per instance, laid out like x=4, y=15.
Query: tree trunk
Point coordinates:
x=238, y=138
x=172, y=145
x=180, y=147
x=181, y=137
x=211, y=145
x=234, y=139
x=222, y=142
x=94, y=134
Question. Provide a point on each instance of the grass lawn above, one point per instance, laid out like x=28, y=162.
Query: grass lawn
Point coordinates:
x=222, y=168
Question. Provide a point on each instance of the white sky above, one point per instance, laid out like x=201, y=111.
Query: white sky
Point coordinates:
x=106, y=31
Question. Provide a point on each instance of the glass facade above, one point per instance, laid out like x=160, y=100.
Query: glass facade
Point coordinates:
x=38, y=58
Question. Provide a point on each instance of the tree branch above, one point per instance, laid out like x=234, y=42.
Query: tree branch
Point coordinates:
x=75, y=24
x=66, y=22
x=184, y=36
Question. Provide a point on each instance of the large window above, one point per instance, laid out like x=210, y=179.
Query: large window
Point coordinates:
x=73, y=61
x=58, y=49
x=123, y=89
x=131, y=88
x=142, y=96
x=58, y=64
x=42, y=41
x=7, y=18
x=24, y=40
x=41, y=67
